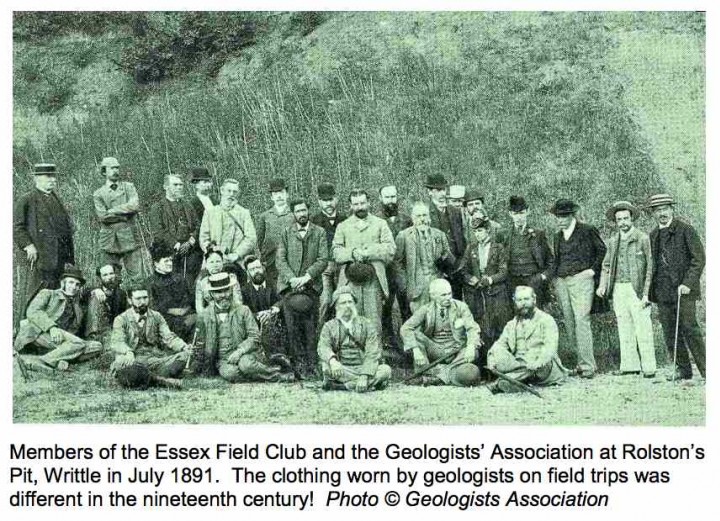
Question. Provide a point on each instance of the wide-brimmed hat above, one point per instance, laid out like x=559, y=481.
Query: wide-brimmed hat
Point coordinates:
x=619, y=206
x=359, y=272
x=659, y=200
x=456, y=192
x=219, y=281
x=342, y=290
x=199, y=173
x=72, y=271
x=437, y=181
x=277, y=185
x=517, y=203
x=44, y=169
x=473, y=194
x=299, y=302
x=564, y=207
x=326, y=191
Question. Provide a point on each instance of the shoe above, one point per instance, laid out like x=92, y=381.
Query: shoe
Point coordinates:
x=649, y=375
x=679, y=375
x=35, y=363
x=624, y=373
x=587, y=375
x=431, y=380
x=281, y=360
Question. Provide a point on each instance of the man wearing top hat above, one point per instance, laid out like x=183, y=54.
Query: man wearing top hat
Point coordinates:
x=227, y=340
x=678, y=261
x=43, y=231
x=302, y=256
x=626, y=277
x=270, y=224
x=53, y=322
x=529, y=254
x=579, y=252
x=447, y=219
x=328, y=219
x=201, y=181
x=116, y=206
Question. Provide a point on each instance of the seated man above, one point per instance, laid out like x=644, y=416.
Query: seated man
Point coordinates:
x=53, y=322
x=527, y=348
x=169, y=292
x=227, y=340
x=147, y=352
x=106, y=302
x=438, y=329
x=349, y=350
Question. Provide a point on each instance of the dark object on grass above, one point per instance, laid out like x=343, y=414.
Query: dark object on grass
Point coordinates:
x=514, y=382
x=359, y=272
x=424, y=369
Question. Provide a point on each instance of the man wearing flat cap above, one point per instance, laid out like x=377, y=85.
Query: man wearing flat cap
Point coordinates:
x=447, y=219
x=270, y=224
x=201, y=181
x=579, y=252
x=116, y=207
x=678, y=262
x=302, y=256
x=328, y=218
x=228, y=340
x=43, y=232
x=626, y=277
x=349, y=349
x=54, y=318
x=529, y=254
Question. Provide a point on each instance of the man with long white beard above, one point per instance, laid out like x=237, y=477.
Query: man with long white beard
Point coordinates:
x=349, y=350
x=527, y=348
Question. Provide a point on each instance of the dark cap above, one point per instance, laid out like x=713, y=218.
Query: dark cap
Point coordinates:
x=44, y=169
x=437, y=181
x=517, y=203
x=621, y=205
x=277, y=185
x=72, y=271
x=325, y=191
x=473, y=194
x=564, y=207
x=199, y=173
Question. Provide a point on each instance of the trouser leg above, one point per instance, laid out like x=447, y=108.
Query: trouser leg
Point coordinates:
x=70, y=348
x=642, y=327
x=581, y=289
x=692, y=334
x=328, y=286
x=623, y=302
x=667, y=315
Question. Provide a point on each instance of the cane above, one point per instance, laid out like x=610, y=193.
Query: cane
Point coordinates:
x=677, y=327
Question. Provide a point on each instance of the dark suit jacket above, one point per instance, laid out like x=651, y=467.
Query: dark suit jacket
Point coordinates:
x=455, y=235
x=496, y=266
x=539, y=247
x=164, y=225
x=31, y=225
x=684, y=260
x=259, y=300
x=402, y=221
x=591, y=248
x=291, y=262
x=323, y=222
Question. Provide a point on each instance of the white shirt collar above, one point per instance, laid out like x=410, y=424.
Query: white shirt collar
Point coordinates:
x=567, y=232
x=258, y=286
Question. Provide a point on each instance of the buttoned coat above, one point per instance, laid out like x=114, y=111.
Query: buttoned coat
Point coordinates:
x=125, y=335
x=333, y=335
x=371, y=232
x=591, y=247
x=242, y=238
x=465, y=331
x=640, y=263
x=539, y=247
x=684, y=259
x=291, y=262
x=164, y=225
x=116, y=210
x=31, y=225
x=269, y=227
x=43, y=313
x=456, y=234
x=407, y=258
x=496, y=266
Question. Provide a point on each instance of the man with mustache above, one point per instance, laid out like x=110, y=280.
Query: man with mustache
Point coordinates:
x=349, y=350
x=626, y=277
x=147, y=352
x=228, y=340
x=527, y=348
x=52, y=326
x=678, y=262
x=270, y=224
x=363, y=245
x=107, y=303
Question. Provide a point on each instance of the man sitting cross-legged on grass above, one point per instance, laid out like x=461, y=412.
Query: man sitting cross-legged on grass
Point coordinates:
x=147, y=352
x=527, y=348
x=348, y=349
x=228, y=340
x=52, y=324
x=436, y=330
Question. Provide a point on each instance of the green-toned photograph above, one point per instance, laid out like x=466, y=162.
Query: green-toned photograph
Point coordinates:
x=423, y=218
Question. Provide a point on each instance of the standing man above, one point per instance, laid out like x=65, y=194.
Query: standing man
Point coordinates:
x=201, y=180
x=328, y=219
x=678, y=259
x=43, y=231
x=302, y=256
x=106, y=304
x=422, y=255
x=173, y=221
x=447, y=219
x=456, y=196
x=579, y=252
x=397, y=221
x=626, y=277
x=270, y=224
x=116, y=205
x=475, y=207
x=363, y=245
x=529, y=254
x=230, y=227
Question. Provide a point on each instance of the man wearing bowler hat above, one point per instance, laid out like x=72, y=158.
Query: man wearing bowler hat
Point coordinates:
x=116, y=207
x=626, y=277
x=270, y=224
x=201, y=180
x=302, y=256
x=447, y=219
x=579, y=252
x=43, y=232
x=529, y=254
x=678, y=262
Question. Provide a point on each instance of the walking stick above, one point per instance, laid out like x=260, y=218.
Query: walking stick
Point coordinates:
x=192, y=350
x=677, y=327
x=513, y=381
x=22, y=366
x=424, y=369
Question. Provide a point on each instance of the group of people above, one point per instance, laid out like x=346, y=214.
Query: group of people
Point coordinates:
x=244, y=298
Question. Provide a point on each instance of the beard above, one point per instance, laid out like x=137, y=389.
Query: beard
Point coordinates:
x=258, y=278
x=391, y=209
x=223, y=304
x=361, y=214
x=141, y=310
x=302, y=220
x=525, y=312
x=110, y=284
